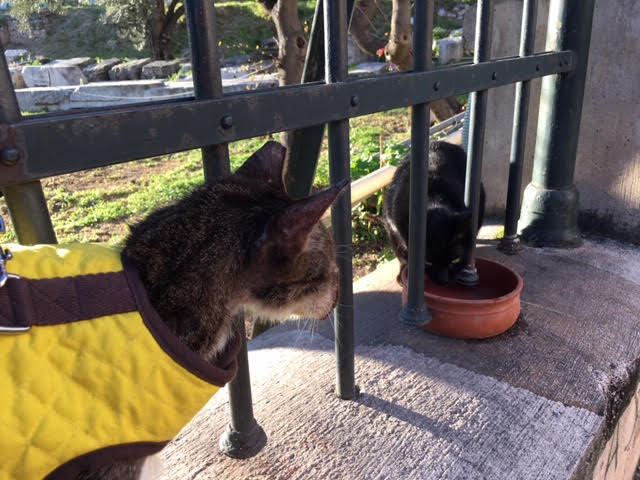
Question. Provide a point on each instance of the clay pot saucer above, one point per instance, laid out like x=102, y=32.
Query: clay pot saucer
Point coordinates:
x=483, y=311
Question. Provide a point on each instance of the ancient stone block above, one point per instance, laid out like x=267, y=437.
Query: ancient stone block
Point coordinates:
x=16, y=77
x=451, y=49
x=128, y=70
x=160, y=69
x=99, y=72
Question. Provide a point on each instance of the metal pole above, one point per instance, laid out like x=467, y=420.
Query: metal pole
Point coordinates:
x=243, y=437
x=335, y=28
x=26, y=202
x=414, y=311
x=478, y=107
x=510, y=243
x=550, y=204
x=304, y=149
x=207, y=81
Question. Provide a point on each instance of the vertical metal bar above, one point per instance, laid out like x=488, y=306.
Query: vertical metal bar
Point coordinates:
x=207, y=81
x=510, y=243
x=414, y=311
x=306, y=142
x=26, y=202
x=478, y=106
x=243, y=437
x=335, y=28
x=304, y=149
x=550, y=204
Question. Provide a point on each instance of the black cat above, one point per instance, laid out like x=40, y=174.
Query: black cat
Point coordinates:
x=449, y=228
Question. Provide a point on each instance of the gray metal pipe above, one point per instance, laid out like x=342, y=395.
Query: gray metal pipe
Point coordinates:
x=510, y=242
x=549, y=214
x=207, y=80
x=335, y=33
x=477, y=112
x=26, y=202
x=414, y=311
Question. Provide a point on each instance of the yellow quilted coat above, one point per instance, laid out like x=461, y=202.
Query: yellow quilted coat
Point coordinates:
x=78, y=392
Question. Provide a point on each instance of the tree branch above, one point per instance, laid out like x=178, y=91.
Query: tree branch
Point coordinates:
x=360, y=28
x=292, y=43
x=398, y=50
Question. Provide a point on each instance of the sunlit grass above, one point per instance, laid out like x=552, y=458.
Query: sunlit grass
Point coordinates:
x=103, y=213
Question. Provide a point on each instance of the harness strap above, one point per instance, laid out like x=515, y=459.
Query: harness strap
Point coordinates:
x=27, y=302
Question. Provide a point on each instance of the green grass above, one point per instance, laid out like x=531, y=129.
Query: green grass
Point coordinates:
x=243, y=24
x=365, y=133
x=81, y=32
x=91, y=214
x=76, y=212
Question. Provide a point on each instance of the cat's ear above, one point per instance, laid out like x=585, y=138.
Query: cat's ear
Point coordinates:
x=266, y=164
x=289, y=231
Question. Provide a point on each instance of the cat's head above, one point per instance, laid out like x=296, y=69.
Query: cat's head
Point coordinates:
x=292, y=265
x=449, y=233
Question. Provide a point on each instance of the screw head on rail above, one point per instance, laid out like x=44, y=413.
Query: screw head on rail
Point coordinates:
x=226, y=122
x=355, y=101
x=10, y=155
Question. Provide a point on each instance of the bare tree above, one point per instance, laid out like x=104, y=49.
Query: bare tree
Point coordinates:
x=292, y=42
x=398, y=48
x=155, y=21
x=151, y=22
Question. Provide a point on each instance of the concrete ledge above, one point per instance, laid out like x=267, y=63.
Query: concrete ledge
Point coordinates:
x=555, y=397
x=416, y=418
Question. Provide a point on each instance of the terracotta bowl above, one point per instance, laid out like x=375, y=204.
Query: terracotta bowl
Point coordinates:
x=484, y=311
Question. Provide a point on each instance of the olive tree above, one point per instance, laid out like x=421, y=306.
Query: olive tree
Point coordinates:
x=149, y=21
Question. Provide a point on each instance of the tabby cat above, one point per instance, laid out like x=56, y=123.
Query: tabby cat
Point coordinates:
x=238, y=242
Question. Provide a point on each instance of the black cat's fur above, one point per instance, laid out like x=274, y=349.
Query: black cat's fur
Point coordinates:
x=240, y=242
x=449, y=227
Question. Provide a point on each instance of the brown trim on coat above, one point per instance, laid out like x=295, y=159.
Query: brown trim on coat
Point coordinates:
x=91, y=461
x=28, y=302
x=219, y=373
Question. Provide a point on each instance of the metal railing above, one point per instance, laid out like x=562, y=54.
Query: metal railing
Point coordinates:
x=47, y=145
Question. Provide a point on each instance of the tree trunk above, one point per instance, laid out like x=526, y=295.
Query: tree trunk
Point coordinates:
x=163, y=24
x=292, y=44
x=398, y=51
x=155, y=27
x=445, y=108
x=360, y=27
x=292, y=47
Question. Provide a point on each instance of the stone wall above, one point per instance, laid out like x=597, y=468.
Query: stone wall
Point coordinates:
x=608, y=162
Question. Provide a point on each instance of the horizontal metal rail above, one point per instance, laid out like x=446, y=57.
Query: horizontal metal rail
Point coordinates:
x=56, y=144
x=364, y=187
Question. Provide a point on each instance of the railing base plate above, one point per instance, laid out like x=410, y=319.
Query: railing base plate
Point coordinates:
x=241, y=445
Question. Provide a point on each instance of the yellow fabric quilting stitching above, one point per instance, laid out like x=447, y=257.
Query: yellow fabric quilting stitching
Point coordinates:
x=74, y=388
